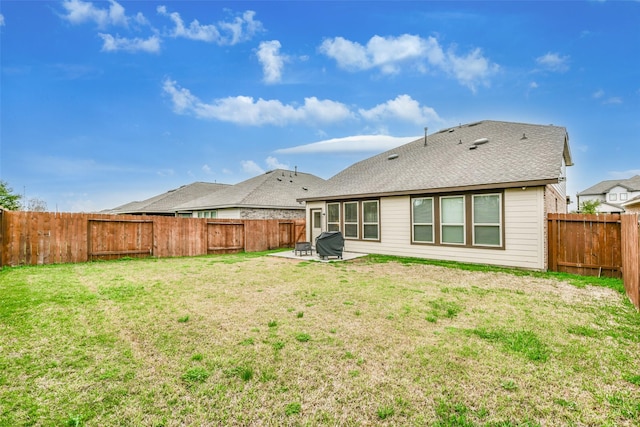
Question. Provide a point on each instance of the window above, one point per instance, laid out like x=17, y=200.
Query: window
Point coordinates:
x=350, y=220
x=613, y=197
x=623, y=196
x=487, y=212
x=452, y=227
x=422, y=214
x=317, y=219
x=333, y=217
x=370, y=222
x=207, y=214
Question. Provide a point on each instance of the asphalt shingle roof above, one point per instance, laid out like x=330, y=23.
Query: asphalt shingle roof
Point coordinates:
x=274, y=189
x=166, y=202
x=631, y=184
x=482, y=154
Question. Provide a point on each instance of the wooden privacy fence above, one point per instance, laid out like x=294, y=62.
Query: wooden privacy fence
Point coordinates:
x=588, y=245
x=36, y=238
x=631, y=257
x=597, y=245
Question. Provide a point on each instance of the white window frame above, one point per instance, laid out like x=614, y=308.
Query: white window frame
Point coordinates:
x=475, y=224
x=414, y=223
x=333, y=225
x=377, y=223
x=454, y=224
x=355, y=223
x=613, y=197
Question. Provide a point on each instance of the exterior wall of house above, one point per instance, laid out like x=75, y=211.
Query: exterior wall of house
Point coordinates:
x=555, y=199
x=272, y=213
x=257, y=213
x=524, y=232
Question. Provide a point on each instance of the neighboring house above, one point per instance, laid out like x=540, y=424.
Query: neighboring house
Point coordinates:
x=272, y=195
x=165, y=203
x=477, y=193
x=614, y=195
x=632, y=206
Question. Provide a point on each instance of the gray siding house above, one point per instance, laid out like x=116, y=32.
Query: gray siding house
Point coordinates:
x=476, y=193
x=615, y=196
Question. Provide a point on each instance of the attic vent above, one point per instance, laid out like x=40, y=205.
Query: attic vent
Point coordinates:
x=392, y=156
x=473, y=124
x=473, y=147
x=524, y=136
x=451, y=130
x=305, y=188
x=480, y=141
x=279, y=179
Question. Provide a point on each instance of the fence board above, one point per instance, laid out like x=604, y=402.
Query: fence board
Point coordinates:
x=35, y=238
x=631, y=257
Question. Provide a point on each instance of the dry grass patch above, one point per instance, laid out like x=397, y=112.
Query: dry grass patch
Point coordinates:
x=248, y=340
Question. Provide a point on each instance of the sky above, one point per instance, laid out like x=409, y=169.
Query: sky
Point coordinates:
x=107, y=102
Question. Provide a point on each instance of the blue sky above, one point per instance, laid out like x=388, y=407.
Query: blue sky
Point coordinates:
x=107, y=102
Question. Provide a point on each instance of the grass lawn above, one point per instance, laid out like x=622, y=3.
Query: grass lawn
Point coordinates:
x=259, y=340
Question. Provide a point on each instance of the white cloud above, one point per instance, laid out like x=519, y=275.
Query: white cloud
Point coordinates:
x=1, y=20
x=273, y=163
x=404, y=108
x=117, y=43
x=240, y=29
x=388, y=54
x=598, y=94
x=533, y=85
x=613, y=100
x=350, y=144
x=272, y=61
x=244, y=110
x=471, y=69
x=79, y=11
x=251, y=167
x=554, y=62
x=206, y=169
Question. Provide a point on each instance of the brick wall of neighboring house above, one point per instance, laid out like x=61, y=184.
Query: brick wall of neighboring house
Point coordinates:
x=272, y=213
x=554, y=201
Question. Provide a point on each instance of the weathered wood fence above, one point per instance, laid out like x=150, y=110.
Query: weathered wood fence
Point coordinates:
x=36, y=238
x=597, y=245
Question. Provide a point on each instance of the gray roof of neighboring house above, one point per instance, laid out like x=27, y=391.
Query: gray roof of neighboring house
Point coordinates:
x=277, y=189
x=631, y=184
x=166, y=202
x=486, y=154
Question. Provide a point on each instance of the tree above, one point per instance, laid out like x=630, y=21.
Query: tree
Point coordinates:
x=589, y=206
x=8, y=199
x=35, y=204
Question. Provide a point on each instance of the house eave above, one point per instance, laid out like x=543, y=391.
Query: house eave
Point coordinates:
x=218, y=207
x=459, y=189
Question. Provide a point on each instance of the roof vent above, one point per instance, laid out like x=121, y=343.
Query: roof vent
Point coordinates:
x=392, y=156
x=524, y=136
x=473, y=147
x=279, y=179
x=480, y=141
x=305, y=188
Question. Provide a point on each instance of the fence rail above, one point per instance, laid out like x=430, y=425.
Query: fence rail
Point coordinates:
x=37, y=238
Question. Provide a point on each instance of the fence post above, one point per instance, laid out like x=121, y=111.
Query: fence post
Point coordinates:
x=631, y=257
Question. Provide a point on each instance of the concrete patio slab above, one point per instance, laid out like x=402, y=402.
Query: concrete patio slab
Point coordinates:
x=346, y=256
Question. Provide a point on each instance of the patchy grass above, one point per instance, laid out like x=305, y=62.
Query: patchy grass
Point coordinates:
x=248, y=339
